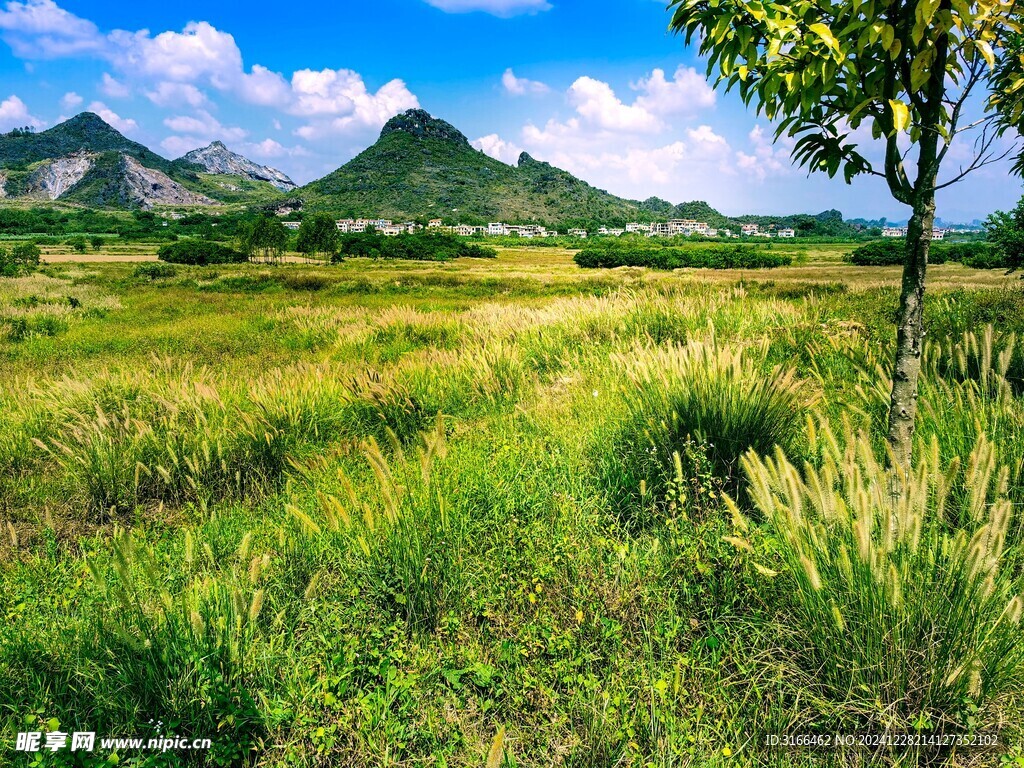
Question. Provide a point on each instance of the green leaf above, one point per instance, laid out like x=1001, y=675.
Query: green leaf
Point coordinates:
x=825, y=34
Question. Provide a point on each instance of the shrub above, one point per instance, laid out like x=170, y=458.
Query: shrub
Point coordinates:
x=21, y=259
x=880, y=253
x=696, y=257
x=199, y=252
x=422, y=246
x=907, y=620
x=78, y=244
x=701, y=399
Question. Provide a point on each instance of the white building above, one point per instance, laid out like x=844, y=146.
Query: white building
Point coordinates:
x=750, y=230
x=291, y=224
x=787, y=233
x=581, y=233
x=634, y=227
x=495, y=229
x=894, y=232
x=434, y=223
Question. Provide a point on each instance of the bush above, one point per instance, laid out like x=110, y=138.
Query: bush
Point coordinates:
x=700, y=403
x=423, y=246
x=880, y=253
x=696, y=257
x=22, y=258
x=199, y=252
x=868, y=568
x=891, y=253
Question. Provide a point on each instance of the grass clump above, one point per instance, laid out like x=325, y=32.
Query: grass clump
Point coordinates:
x=907, y=609
x=702, y=404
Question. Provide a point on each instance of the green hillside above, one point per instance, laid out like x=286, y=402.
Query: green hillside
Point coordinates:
x=86, y=132
x=424, y=167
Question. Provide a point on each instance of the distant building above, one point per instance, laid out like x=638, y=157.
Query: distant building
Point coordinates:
x=750, y=230
x=495, y=229
x=435, y=223
x=581, y=233
x=786, y=233
x=292, y=224
x=894, y=232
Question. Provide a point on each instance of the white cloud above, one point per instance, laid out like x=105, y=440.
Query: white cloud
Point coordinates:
x=502, y=8
x=688, y=91
x=113, y=88
x=40, y=29
x=14, y=114
x=71, y=100
x=343, y=92
x=268, y=149
x=765, y=158
x=176, y=95
x=495, y=146
x=177, y=69
x=596, y=101
x=203, y=125
x=124, y=125
x=521, y=86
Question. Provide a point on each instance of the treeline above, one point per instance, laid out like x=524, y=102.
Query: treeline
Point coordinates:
x=422, y=246
x=134, y=226
x=892, y=253
x=694, y=257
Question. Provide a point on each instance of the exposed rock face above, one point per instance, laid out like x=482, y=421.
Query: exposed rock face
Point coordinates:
x=422, y=124
x=217, y=158
x=55, y=177
x=146, y=187
x=3, y=185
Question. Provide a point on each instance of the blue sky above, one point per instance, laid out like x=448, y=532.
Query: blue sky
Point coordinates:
x=598, y=87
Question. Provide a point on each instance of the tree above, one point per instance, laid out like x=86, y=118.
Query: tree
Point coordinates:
x=318, y=237
x=823, y=68
x=78, y=244
x=97, y=242
x=1006, y=232
x=265, y=239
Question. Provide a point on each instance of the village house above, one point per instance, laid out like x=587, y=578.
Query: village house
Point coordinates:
x=291, y=224
x=435, y=223
x=750, y=230
x=786, y=233
x=634, y=228
x=581, y=233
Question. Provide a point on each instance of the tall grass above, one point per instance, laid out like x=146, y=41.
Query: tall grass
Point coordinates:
x=907, y=610
x=702, y=401
x=406, y=541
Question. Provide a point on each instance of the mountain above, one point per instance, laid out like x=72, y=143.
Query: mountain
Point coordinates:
x=86, y=132
x=425, y=167
x=86, y=161
x=218, y=159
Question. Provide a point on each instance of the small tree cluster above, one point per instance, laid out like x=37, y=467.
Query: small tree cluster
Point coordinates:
x=19, y=260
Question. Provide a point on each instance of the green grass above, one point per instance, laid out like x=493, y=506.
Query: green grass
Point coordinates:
x=374, y=514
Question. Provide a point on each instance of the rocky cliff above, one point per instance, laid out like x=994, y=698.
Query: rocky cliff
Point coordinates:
x=218, y=159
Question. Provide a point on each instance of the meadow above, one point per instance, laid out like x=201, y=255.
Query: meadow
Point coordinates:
x=506, y=513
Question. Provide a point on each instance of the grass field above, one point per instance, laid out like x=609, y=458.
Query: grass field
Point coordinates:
x=502, y=512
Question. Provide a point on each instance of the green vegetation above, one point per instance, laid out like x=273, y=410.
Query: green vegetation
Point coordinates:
x=22, y=258
x=907, y=72
x=199, y=252
x=264, y=238
x=421, y=246
x=693, y=256
x=892, y=252
x=419, y=512
x=318, y=237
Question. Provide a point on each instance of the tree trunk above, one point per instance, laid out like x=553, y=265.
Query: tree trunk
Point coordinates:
x=910, y=332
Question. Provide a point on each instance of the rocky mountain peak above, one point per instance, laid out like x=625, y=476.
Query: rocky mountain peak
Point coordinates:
x=217, y=158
